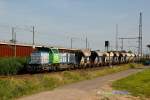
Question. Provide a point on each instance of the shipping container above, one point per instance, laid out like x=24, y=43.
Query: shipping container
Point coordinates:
x=18, y=50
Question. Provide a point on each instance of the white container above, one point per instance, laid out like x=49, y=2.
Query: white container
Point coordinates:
x=39, y=58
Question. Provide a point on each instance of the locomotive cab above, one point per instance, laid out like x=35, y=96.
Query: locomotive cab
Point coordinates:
x=44, y=58
x=54, y=57
x=50, y=54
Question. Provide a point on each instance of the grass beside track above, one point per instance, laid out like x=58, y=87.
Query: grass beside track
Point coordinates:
x=12, y=65
x=14, y=87
x=137, y=84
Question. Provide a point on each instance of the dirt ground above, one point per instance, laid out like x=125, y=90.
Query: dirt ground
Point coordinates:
x=95, y=89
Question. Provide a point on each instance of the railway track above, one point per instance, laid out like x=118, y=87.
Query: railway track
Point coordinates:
x=28, y=75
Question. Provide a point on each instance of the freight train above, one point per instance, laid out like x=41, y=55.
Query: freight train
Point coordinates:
x=52, y=59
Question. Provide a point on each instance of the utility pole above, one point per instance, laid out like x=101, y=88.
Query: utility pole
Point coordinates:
x=33, y=30
x=116, y=37
x=122, y=40
x=88, y=45
x=12, y=30
x=121, y=43
x=140, y=36
x=71, y=40
x=86, y=42
x=14, y=40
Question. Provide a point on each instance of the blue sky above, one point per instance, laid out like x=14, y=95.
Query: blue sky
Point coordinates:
x=56, y=21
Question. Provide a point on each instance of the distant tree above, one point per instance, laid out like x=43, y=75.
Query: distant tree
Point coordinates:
x=130, y=51
x=12, y=41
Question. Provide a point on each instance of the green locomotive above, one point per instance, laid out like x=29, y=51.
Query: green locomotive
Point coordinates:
x=44, y=59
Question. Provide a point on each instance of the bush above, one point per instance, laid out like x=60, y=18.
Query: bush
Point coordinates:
x=70, y=77
x=15, y=87
x=12, y=87
x=132, y=66
x=11, y=66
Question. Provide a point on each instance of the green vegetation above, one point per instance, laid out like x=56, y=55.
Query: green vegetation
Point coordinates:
x=137, y=84
x=15, y=86
x=11, y=87
x=11, y=66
